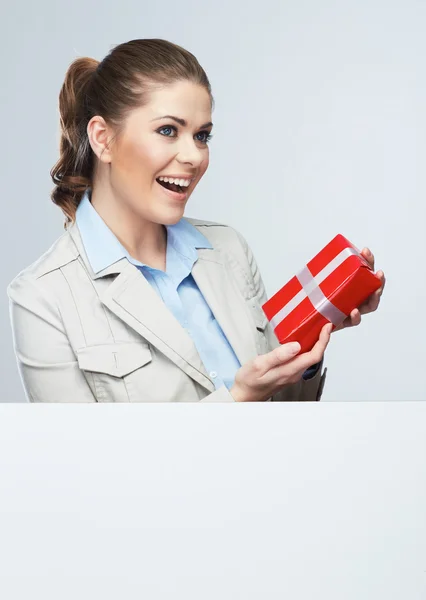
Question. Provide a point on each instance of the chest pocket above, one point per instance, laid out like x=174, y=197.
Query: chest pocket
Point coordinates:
x=110, y=367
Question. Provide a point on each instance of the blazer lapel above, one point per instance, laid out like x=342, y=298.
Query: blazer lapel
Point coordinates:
x=132, y=299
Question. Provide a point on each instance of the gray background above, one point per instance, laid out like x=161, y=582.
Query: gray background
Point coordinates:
x=319, y=129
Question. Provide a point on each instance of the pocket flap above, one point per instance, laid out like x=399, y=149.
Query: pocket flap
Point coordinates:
x=117, y=360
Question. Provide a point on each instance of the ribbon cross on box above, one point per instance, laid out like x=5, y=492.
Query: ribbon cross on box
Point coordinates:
x=337, y=280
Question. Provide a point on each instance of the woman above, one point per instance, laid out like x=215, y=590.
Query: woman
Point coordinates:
x=134, y=302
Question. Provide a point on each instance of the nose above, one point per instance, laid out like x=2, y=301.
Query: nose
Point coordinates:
x=190, y=152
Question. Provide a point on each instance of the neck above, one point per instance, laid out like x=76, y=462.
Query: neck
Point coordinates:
x=144, y=240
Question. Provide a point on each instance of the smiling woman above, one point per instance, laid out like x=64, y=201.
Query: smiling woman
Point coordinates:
x=136, y=302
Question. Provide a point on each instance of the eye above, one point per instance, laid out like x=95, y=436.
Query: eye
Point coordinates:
x=167, y=131
x=205, y=136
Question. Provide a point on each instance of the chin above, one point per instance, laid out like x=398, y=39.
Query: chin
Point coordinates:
x=171, y=216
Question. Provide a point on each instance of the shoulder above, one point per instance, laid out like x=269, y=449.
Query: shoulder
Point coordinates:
x=221, y=236
x=31, y=279
x=233, y=247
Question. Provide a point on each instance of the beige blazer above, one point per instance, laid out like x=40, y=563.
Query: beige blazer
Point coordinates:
x=108, y=337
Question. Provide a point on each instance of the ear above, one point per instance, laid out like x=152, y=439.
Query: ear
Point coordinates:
x=100, y=135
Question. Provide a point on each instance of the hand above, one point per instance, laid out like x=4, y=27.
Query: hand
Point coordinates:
x=372, y=302
x=264, y=376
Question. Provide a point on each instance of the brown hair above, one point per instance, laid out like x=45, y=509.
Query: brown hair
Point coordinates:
x=110, y=89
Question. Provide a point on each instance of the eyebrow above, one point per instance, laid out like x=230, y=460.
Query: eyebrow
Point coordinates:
x=181, y=121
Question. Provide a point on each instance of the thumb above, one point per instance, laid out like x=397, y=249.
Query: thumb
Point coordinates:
x=280, y=356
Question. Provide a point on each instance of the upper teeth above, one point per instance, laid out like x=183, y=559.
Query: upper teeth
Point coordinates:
x=181, y=182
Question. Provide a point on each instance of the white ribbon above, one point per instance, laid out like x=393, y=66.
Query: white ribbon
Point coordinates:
x=311, y=290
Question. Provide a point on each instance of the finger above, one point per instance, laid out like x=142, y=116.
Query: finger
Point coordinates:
x=374, y=302
x=322, y=343
x=282, y=356
x=277, y=357
x=343, y=325
x=355, y=318
x=351, y=320
x=306, y=360
x=382, y=277
x=369, y=256
x=371, y=304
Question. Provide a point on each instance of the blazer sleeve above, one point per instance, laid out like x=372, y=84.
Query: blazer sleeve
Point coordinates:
x=47, y=364
x=304, y=390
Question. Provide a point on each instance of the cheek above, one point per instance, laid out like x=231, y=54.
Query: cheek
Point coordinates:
x=139, y=159
x=204, y=164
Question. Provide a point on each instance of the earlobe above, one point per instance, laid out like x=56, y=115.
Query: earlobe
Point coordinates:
x=98, y=134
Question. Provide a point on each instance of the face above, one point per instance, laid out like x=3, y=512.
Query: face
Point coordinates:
x=166, y=139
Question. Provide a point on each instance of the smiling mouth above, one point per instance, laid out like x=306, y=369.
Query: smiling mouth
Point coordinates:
x=172, y=186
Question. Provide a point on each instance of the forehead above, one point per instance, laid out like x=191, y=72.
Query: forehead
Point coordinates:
x=183, y=99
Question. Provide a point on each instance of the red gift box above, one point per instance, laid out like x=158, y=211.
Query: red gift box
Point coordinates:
x=327, y=289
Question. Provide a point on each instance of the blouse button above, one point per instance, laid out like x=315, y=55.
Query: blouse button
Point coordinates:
x=213, y=374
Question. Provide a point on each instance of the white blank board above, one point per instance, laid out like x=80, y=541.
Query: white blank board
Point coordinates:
x=260, y=501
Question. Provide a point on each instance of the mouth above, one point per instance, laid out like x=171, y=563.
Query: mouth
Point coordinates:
x=177, y=188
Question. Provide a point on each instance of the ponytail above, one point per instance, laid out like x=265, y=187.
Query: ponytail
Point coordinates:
x=72, y=174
